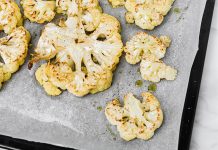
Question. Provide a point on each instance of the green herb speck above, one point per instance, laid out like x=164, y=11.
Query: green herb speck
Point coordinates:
x=138, y=83
x=176, y=10
x=152, y=87
x=138, y=70
x=99, y=108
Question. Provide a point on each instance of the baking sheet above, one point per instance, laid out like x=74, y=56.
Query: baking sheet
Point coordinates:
x=27, y=112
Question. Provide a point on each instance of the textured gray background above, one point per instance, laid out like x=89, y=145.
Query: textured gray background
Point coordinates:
x=27, y=112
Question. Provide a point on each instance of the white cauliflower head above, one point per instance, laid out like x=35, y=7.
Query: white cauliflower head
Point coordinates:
x=145, y=13
x=135, y=119
x=149, y=50
x=13, y=51
x=81, y=58
x=10, y=16
x=39, y=11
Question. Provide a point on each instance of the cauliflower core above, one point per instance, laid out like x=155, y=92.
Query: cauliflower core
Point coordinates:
x=38, y=11
x=145, y=13
x=13, y=51
x=82, y=51
x=10, y=16
x=149, y=50
x=135, y=119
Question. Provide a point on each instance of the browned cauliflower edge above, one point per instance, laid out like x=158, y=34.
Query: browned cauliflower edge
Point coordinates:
x=10, y=16
x=149, y=50
x=13, y=50
x=135, y=119
x=39, y=11
x=82, y=51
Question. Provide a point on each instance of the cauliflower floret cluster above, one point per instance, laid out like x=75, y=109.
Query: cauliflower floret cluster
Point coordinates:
x=10, y=16
x=135, y=119
x=149, y=50
x=39, y=11
x=13, y=51
x=82, y=51
x=145, y=13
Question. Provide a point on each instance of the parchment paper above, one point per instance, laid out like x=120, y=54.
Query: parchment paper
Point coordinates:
x=27, y=112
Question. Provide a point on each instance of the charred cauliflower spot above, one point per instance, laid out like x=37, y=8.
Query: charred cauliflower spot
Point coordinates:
x=149, y=50
x=135, y=119
x=82, y=51
x=39, y=11
x=146, y=14
x=10, y=16
x=13, y=51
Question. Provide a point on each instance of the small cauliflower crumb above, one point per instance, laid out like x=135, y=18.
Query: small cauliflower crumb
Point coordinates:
x=117, y=3
x=135, y=119
x=82, y=51
x=149, y=50
x=39, y=11
x=129, y=17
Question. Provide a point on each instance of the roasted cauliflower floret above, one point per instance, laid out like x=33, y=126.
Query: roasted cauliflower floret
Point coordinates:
x=87, y=58
x=135, y=119
x=39, y=11
x=143, y=44
x=153, y=69
x=145, y=13
x=10, y=16
x=149, y=50
x=13, y=50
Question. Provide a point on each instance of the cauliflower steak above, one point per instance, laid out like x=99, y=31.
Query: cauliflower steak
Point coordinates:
x=135, y=119
x=13, y=51
x=39, y=11
x=82, y=51
x=149, y=50
x=146, y=14
x=10, y=16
